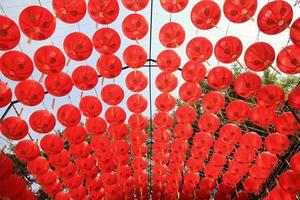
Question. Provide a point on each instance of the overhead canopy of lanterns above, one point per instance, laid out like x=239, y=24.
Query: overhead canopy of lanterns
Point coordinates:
x=212, y=143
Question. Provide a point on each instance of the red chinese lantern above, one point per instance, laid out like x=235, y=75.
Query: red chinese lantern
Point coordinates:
x=208, y=122
x=73, y=182
x=112, y=94
x=26, y=194
x=205, y=14
x=190, y=92
x=277, y=143
x=90, y=106
x=262, y=116
x=237, y=111
x=247, y=84
x=168, y=60
x=173, y=6
x=199, y=49
x=288, y=181
x=250, y=141
x=171, y=35
x=115, y=114
x=58, y=84
x=135, y=56
x=252, y=185
x=194, y=165
x=275, y=17
x=106, y=41
x=183, y=130
x=7, y=167
x=238, y=168
x=136, y=81
x=163, y=120
x=286, y=123
x=217, y=160
x=5, y=94
x=166, y=81
x=185, y=114
x=54, y=188
x=78, y=193
x=81, y=150
x=288, y=60
x=103, y=12
x=47, y=178
x=135, y=5
x=120, y=147
x=68, y=115
x=37, y=23
x=117, y=131
x=255, y=171
x=62, y=196
x=76, y=134
x=270, y=96
x=100, y=143
x=294, y=98
x=52, y=144
x=71, y=11
x=67, y=171
x=230, y=133
x=16, y=66
x=222, y=147
x=137, y=103
x=203, y=140
x=278, y=193
x=165, y=102
x=294, y=162
x=85, y=77
x=29, y=92
x=137, y=121
x=161, y=135
x=10, y=34
x=61, y=159
x=239, y=11
x=139, y=163
x=42, y=121
x=95, y=125
x=135, y=26
x=266, y=160
x=213, y=102
x=193, y=72
x=109, y=66
x=138, y=137
x=78, y=46
x=219, y=78
x=27, y=150
x=228, y=49
x=49, y=59
x=243, y=155
x=139, y=150
x=14, y=128
x=294, y=32
x=259, y=56
x=16, y=182
x=38, y=166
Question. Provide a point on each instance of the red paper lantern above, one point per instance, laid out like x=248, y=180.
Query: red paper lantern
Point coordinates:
x=10, y=34
x=219, y=78
x=38, y=166
x=183, y=130
x=137, y=121
x=78, y=193
x=135, y=56
x=62, y=196
x=252, y=185
x=199, y=49
x=73, y=182
x=206, y=14
x=288, y=60
x=135, y=5
x=42, y=121
x=222, y=147
x=69, y=11
x=52, y=144
x=270, y=96
x=5, y=94
x=117, y=131
x=78, y=46
x=37, y=22
x=26, y=194
x=29, y=92
x=250, y=141
x=14, y=128
x=106, y=41
x=61, y=159
x=173, y=6
x=76, y=134
x=100, y=143
x=168, y=60
x=247, y=84
x=90, y=106
x=243, y=155
x=217, y=160
x=259, y=173
x=85, y=77
x=47, y=178
x=286, y=123
x=68, y=115
x=139, y=150
x=58, y=84
x=81, y=150
x=49, y=59
x=259, y=56
x=294, y=162
x=262, y=116
x=115, y=114
x=294, y=32
x=185, y=114
x=203, y=140
x=16, y=182
x=165, y=102
x=138, y=137
x=288, y=181
x=135, y=26
x=294, y=98
x=16, y=66
x=166, y=81
x=190, y=92
x=194, y=165
x=277, y=143
x=237, y=111
x=136, y=81
x=7, y=167
x=238, y=168
x=54, y=188
x=120, y=147
x=230, y=133
x=208, y=122
x=161, y=135
x=193, y=72
x=109, y=66
x=213, y=102
x=278, y=193
x=103, y=12
x=207, y=184
x=228, y=49
x=239, y=12
x=163, y=120
x=266, y=160
x=171, y=35
x=275, y=17
x=112, y=94
x=95, y=125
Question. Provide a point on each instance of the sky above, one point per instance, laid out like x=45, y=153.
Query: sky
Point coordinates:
x=247, y=32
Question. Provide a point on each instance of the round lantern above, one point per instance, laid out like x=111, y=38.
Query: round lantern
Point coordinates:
x=100, y=143
x=222, y=147
x=185, y=114
x=76, y=134
x=117, y=131
x=58, y=84
x=161, y=135
x=42, y=121
x=62, y=196
x=85, y=77
x=136, y=81
x=26, y=194
x=266, y=160
x=165, y=102
x=135, y=26
x=69, y=11
x=206, y=14
x=230, y=133
x=67, y=171
x=14, y=128
x=168, y=60
x=294, y=162
x=294, y=98
x=173, y=6
x=103, y=12
x=239, y=11
x=250, y=141
x=277, y=143
x=203, y=140
x=95, y=126
x=270, y=96
x=109, y=66
x=16, y=182
x=38, y=166
x=112, y=94
x=288, y=60
x=278, y=193
x=49, y=59
x=262, y=116
x=247, y=84
x=52, y=144
x=208, y=122
x=243, y=155
x=259, y=56
x=29, y=92
x=219, y=78
x=73, y=182
x=90, y=106
x=183, y=130
x=54, y=188
x=7, y=167
x=193, y=72
x=37, y=23
x=138, y=136
x=81, y=150
x=194, y=165
x=166, y=81
x=5, y=94
x=237, y=111
x=294, y=32
x=61, y=159
x=115, y=114
x=106, y=41
x=288, y=181
x=213, y=102
x=9, y=34
x=78, y=46
x=252, y=185
x=135, y=56
x=190, y=92
x=199, y=49
x=137, y=121
x=137, y=103
x=163, y=120
x=15, y=65
x=68, y=115
x=135, y=5
x=27, y=150
x=275, y=17
x=286, y=123
x=228, y=49
x=171, y=35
